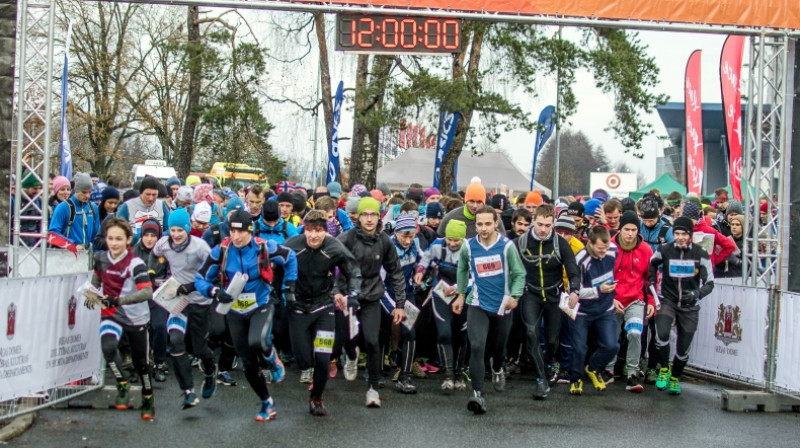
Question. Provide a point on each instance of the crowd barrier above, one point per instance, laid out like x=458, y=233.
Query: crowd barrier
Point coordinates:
x=787, y=378
x=49, y=345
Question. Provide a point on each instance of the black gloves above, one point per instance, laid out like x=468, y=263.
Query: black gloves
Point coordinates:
x=110, y=301
x=288, y=293
x=223, y=296
x=352, y=300
x=689, y=299
x=185, y=289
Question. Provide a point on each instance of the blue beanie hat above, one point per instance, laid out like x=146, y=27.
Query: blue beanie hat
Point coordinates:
x=173, y=181
x=591, y=206
x=235, y=204
x=109, y=193
x=180, y=218
x=434, y=210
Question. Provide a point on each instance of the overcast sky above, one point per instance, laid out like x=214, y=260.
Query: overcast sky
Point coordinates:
x=293, y=134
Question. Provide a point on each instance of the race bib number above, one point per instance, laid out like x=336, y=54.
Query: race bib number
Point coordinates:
x=245, y=302
x=489, y=266
x=681, y=268
x=608, y=276
x=323, y=343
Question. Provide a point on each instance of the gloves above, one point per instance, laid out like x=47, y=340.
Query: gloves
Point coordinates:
x=223, y=297
x=352, y=300
x=185, y=289
x=110, y=301
x=690, y=299
x=91, y=302
x=288, y=293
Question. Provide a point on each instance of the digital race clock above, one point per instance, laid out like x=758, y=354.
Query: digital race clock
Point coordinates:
x=397, y=34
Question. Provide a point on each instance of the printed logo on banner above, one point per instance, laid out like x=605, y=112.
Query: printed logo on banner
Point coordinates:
x=72, y=305
x=11, y=320
x=727, y=328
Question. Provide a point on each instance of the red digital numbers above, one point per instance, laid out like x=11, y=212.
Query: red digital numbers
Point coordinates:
x=397, y=34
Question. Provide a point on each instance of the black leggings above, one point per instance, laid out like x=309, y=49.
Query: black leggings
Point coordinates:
x=369, y=317
x=686, y=320
x=252, y=339
x=110, y=333
x=532, y=308
x=451, y=332
x=220, y=337
x=408, y=345
x=312, y=336
x=193, y=321
x=483, y=325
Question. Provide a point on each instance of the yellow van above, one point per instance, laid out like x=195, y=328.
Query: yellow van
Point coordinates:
x=243, y=174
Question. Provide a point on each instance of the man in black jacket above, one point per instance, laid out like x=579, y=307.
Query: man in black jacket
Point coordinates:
x=688, y=276
x=310, y=306
x=374, y=250
x=545, y=256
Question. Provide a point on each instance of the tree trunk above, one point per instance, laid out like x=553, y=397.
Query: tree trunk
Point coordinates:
x=325, y=77
x=8, y=19
x=183, y=163
x=359, y=128
x=446, y=177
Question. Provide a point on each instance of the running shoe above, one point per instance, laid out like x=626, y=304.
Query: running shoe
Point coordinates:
x=159, y=375
x=316, y=408
x=362, y=360
x=275, y=366
x=189, y=399
x=394, y=358
x=351, y=367
x=563, y=377
x=373, y=398
x=209, y=385
x=477, y=403
x=148, y=407
x=448, y=384
x=663, y=376
x=634, y=383
x=404, y=385
x=417, y=371
x=427, y=367
x=674, y=386
x=267, y=412
x=541, y=390
x=307, y=376
x=651, y=376
x=225, y=379
x=123, y=395
x=597, y=378
x=396, y=375
x=333, y=370
x=608, y=377
x=552, y=373
x=499, y=380
x=576, y=387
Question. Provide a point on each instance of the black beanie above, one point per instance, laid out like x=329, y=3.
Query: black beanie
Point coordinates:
x=629, y=217
x=575, y=209
x=148, y=183
x=269, y=211
x=683, y=223
x=240, y=220
x=285, y=197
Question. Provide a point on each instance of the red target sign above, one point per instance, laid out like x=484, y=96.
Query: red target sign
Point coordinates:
x=613, y=181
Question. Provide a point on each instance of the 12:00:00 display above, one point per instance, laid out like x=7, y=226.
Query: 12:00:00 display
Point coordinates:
x=397, y=34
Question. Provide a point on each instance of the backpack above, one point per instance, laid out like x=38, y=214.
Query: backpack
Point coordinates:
x=284, y=230
x=263, y=260
x=522, y=246
x=72, y=213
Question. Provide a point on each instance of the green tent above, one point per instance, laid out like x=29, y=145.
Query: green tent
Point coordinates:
x=666, y=184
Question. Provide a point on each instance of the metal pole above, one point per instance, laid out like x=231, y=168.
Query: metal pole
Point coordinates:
x=46, y=148
x=558, y=128
x=772, y=339
x=23, y=48
x=762, y=61
x=747, y=167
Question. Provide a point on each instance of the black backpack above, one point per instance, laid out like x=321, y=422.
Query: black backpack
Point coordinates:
x=72, y=213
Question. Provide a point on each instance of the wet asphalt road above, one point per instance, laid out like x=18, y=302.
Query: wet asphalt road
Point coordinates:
x=431, y=418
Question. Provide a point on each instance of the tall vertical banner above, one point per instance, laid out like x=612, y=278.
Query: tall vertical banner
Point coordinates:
x=694, y=125
x=544, y=129
x=444, y=140
x=730, y=70
x=66, y=150
x=333, y=151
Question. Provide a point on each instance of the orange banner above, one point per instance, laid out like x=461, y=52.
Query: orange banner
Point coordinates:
x=783, y=14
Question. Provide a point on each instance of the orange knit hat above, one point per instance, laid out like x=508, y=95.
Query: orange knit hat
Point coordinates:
x=534, y=197
x=475, y=192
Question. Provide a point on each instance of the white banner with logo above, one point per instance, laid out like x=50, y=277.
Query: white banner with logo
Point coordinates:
x=731, y=334
x=788, y=343
x=48, y=337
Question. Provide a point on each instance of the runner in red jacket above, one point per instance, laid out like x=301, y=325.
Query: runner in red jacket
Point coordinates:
x=630, y=274
x=722, y=246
